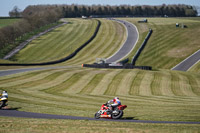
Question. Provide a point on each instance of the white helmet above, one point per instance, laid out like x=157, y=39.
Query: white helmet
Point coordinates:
x=116, y=97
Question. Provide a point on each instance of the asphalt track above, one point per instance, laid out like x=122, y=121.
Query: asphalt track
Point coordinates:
x=129, y=44
x=15, y=71
x=15, y=113
x=188, y=62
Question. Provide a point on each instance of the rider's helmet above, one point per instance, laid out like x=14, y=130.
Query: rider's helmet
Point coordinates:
x=4, y=94
x=116, y=97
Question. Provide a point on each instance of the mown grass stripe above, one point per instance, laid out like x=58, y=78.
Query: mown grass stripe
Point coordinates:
x=84, y=81
x=101, y=88
x=125, y=83
x=145, y=87
x=92, y=84
x=114, y=85
x=117, y=41
x=95, y=45
x=175, y=86
x=67, y=83
x=185, y=86
x=30, y=79
x=165, y=85
x=59, y=46
x=156, y=84
x=105, y=39
x=194, y=83
x=50, y=86
x=134, y=90
x=46, y=79
x=21, y=76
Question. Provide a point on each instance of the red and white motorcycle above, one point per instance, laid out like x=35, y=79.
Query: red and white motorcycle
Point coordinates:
x=106, y=112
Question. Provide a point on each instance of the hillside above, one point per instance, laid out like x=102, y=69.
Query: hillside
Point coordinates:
x=149, y=94
x=168, y=45
x=161, y=94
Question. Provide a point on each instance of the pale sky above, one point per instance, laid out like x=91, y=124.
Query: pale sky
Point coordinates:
x=7, y=5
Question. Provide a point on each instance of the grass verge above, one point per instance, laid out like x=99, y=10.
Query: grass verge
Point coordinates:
x=23, y=125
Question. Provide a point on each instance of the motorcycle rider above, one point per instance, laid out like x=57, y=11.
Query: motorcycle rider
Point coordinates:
x=116, y=102
x=4, y=94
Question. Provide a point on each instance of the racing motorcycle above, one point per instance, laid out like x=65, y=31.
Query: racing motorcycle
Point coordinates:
x=3, y=99
x=106, y=112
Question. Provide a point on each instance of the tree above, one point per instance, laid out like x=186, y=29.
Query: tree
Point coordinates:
x=16, y=12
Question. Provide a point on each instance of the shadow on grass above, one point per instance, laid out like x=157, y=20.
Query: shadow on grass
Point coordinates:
x=10, y=108
x=129, y=118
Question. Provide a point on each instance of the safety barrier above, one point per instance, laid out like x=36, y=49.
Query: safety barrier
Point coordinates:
x=60, y=60
x=125, y=66
x=142, y=47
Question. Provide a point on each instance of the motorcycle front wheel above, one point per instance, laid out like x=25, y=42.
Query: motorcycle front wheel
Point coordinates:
x=97, y=115
x=118, y=115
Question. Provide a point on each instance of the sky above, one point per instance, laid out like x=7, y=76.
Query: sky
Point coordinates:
x=7, y=5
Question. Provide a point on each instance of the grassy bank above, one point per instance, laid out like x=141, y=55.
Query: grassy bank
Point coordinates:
x=168, y=45
x=195, y=68
x=20, y=125
x=58, y=43
x=160, y=95
x=110, y=37
x=10, y=47
x=150, y=95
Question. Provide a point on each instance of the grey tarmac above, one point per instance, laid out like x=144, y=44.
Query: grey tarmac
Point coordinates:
x=21, y=114
x=188, y=62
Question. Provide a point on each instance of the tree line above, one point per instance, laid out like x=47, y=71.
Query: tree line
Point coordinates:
x=127, y=10
x=34, y=17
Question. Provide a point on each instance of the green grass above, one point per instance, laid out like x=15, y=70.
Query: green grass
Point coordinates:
x=150, y=95
x=22, y=125
x=58, y=43
x=10, y=47
x=168, y=45
x=195, y=68
x=161, y=95
x=110, y=37
x=6, y=22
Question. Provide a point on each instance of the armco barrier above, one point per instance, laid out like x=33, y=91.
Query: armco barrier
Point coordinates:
x=142, y=47
x=126, y=66
x=61, y=60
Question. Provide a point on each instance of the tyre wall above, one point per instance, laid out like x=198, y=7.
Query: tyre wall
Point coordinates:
x=142, y=47
x=126, y=66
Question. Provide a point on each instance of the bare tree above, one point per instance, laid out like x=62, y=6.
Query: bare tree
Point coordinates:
x=15, y=12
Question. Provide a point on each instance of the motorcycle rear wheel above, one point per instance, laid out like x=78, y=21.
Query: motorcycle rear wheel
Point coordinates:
x=2, y=104
x=118, y=115
x=97, y=115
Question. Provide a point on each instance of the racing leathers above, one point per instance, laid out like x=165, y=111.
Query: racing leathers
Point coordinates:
x=116, y=102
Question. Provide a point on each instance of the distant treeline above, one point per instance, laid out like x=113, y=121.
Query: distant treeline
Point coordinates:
x=127, y=10
x=34, y=17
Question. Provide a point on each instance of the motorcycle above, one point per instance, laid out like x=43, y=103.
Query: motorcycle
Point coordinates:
x=106, y=112
x=3, y=99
